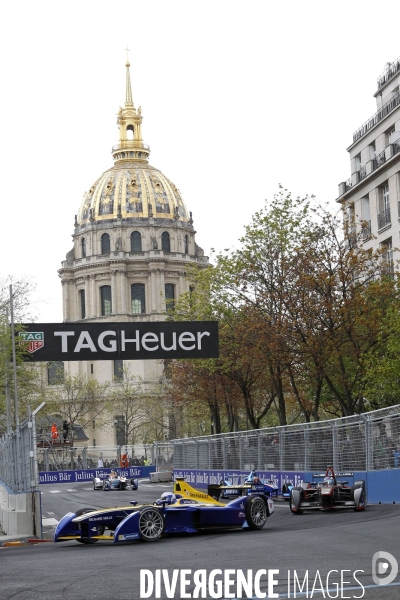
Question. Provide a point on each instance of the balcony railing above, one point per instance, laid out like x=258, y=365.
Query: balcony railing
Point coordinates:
x=378, y=116
x=384, y=218
x=362, y=173
x=366, y=230
x=348, y=184
x=378, y=160
x=391, y=70
x=396, y=147
x=130, y=145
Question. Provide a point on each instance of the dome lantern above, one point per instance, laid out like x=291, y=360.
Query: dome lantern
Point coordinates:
x=131, y=146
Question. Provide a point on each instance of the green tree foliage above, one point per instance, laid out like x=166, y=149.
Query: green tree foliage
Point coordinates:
x=301, y=308
x=28, y=376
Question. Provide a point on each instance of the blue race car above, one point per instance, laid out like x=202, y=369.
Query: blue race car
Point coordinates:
x=188, y=512
x=226, y=489
x=287, y=487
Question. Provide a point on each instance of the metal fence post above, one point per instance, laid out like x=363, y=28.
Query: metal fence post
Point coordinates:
x=306, y=447
x=335, y=450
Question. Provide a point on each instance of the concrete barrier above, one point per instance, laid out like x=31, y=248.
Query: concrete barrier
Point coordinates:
x=20, y=514
x=160, y=476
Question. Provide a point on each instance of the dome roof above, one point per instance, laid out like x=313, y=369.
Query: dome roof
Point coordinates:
x=132, y=189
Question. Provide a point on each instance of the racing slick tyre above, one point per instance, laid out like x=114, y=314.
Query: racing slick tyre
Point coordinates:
x=285, y=489
x=151, y=524
x=80, y=512
x=291, y=501
x=362, y=498
x=256, y=512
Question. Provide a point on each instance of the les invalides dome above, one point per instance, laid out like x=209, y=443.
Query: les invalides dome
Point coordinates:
x=133, y=242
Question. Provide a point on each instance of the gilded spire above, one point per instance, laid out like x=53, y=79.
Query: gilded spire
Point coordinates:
x=131, y=146
x=128, y=100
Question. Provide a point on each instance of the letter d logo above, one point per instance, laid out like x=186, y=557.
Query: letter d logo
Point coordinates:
x=380, y=564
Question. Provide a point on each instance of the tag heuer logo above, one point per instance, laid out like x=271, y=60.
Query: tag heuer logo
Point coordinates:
x=32, y=340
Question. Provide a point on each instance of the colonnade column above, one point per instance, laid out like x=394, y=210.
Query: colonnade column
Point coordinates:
x=114, y=303
x=65, y=293
x=122, y=275
x=153, y=291
x=93, y=299
x=87, y=296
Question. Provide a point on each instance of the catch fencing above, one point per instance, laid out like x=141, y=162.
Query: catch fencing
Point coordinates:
x=18, y=458
x=61, y=456
x=365, y=442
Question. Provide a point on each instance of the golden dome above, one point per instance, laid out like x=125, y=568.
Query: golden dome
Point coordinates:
x=132, y=189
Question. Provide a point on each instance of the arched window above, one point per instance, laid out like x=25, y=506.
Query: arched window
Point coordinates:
x=82, y=303
x=105, y=296
x=55, y=372
x=136, y=242
x=186, y=244
x=165, y=242
x=118, y=370
x=138, y=298
x=130, y=132
x=83, y=247
x=170, y=297
x=105, y=243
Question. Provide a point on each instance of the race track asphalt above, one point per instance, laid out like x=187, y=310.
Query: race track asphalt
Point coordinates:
x=303, y=548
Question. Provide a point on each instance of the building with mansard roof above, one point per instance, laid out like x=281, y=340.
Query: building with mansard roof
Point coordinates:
x=371, y=196
x=133, y=240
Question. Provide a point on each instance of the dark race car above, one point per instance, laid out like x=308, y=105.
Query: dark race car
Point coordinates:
x=189, y=511
x=115, y=482
x=226, y=489
x=328, y=494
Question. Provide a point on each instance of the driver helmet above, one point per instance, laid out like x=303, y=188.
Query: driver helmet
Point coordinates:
x=256, y=479
x=168, y=497
x=113, y=473
x=329, y=481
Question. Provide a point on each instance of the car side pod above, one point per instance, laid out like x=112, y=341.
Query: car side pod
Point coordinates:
x=128, y=529
x=135, y=484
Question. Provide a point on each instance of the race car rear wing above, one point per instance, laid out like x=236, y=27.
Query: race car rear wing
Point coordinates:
x=336, y=474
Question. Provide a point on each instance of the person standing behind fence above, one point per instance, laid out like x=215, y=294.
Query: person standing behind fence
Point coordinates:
x=124, y=460
x=54, y=432
x=100, y=464
x=65, y=431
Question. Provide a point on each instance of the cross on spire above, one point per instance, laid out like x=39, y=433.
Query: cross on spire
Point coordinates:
x=127, y=53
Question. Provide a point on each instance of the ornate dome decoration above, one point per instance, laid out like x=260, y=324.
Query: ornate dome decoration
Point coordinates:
x=131, y=188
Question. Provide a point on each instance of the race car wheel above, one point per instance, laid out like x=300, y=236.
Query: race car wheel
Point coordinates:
x=151, y=524
x=363, y=497
x=83, y=540
x=256, y=512
x=285, y=490
x=291, y=501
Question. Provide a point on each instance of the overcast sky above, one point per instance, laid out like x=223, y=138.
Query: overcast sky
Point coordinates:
x=236, y=97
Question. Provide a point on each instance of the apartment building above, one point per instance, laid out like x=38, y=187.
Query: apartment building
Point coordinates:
x=371, y=196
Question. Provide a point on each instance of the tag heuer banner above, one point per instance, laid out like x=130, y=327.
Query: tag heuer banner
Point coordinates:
x=123, y=341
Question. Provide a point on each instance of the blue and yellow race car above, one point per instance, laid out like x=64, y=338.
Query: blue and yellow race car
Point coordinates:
x=185, y=511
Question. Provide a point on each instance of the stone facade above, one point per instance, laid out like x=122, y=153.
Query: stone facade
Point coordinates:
x=371, y=196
